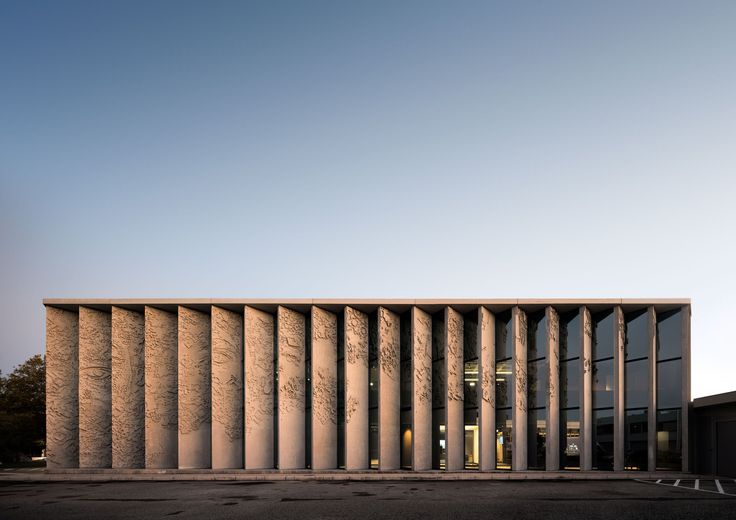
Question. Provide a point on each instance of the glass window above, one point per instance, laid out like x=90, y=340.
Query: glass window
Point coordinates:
x=570, y=384
x=669, y=335
x=439, y=447
x=471, y=384
x=570, y=335
x=504, y=337
x=504, y=447
x=570, y=439
x=603, y=384
x=373, y=437
x=472, y=439
x=636, y=384
x=536, y=438
x=537, y=336
x=635, y=446
x=637, y=335
x=504, y=384
x=603, y=335
x=669, y=440
x=406, y=439
x=603, y=439
x=669, y=384
x=538, y=383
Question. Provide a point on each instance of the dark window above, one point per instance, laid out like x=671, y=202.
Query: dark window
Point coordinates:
x=603, y=335
x=603, y=439
x=504, y=384
x=538, y=382
x=439, y=391
x=635, y=448
x=603, y=384
x=669, y=335
x=471, y=384
x=570, y=335
x=637, y=335
x=636, y=382
x=536, y=336
x=669, y=384
x=536, y=438
x=570, y=384
x=669, y=440
x=504, y=337
x=570, y=439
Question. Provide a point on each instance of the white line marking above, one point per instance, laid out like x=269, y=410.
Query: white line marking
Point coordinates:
x=697, y=483
x=660, y=480
x=677, y=482
x=718, y=485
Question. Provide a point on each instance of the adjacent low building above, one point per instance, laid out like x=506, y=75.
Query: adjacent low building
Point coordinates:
x=476, y=385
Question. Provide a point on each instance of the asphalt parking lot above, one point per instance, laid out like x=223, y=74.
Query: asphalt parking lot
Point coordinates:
x=355, y=500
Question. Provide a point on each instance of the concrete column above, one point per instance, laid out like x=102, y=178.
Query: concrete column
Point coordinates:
x=95, y=389
x=62, y=388
x=388, y=390
x=553, y=400
x=324, y=389
x=195, y=392
x=161, y=372
x=652, y=409
x=259, y=389
x=128, y=389
x=686, y=315
x=519, y=412
x=227, y=389
x=619, y=404
x=455, y=428
x=356, y=390
x=291, y=360
x=421, y=368
x=586, y=390
x=487, y=381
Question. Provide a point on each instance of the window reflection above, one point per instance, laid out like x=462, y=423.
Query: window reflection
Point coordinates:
x=635, y=448
x=603, y=384
x=603, y=335
x=636, y=382
x=603, y=439
x=669, y=440
x=669, y=335
x=570, y=439
x=503, y=439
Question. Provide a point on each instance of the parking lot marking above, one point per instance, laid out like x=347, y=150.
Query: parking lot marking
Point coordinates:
x=660, y=480
x=697, y=483
x=697, y=487
x=718, y=485
x=677, y=482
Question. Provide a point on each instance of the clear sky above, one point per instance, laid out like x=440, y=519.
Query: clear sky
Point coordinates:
x=375, y=149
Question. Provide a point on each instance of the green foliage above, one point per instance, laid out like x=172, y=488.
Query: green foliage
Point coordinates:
x=23, y=411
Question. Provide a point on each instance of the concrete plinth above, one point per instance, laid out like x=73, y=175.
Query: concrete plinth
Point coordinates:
x=291, y=377
x=95, y=389
x=259, y=389
x=128, y=389
x=356, y=390
x=552, y=458
x=455, y=428
x=161, y=371
x=519, y=412
x=227, y=389
x=421, y=345
x=324, y=389
x=62, y=388
x=487, y=381
x=389, y=389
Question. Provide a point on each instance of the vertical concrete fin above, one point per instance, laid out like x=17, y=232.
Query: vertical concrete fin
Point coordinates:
x=291, y=326
x=487, y=380
x=389, y=389
x=619, y=402
x=227, y=389
x=195, y=392
x=95, y=389
x=324, y=389
x=454, y=429
x=421, y=347
x=259, y=389
x=62, y=388
x=553, y=398
x=161, y=369
x=686, y=316
x=356, y=390
x=519, y=414
x=128, y=389
x=586, y=389
x=652, y=409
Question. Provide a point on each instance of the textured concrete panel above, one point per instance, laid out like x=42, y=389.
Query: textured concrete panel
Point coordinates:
x=259, y=389
x=455, y=429
x=487, y=377
x=356, y=390
x=389, y=389
x=324, y=389
x=227, y=389
x=95, y=389
x=586, y=390
x=619, y=403
x=421, y=338
x=195, y=392
x=552, y=459
x=291, y=360
x=161, y=388
x=62, y=388
x=128, y=389
x=519, y=413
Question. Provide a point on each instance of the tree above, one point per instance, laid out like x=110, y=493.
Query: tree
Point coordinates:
x=23, y=410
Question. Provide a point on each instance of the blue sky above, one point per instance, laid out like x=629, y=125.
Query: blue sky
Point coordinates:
x=376, y=149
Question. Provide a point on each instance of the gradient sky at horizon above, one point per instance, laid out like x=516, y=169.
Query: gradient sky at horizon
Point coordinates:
x=379, y=149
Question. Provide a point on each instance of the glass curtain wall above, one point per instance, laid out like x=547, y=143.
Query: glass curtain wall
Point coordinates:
x=439, y=391
x=636, y=389
x=504, y=389
x=405, y=386
x=373, y=448
x=538, y=384
x=602, y=353
x=471, y=390
x=669, y=390
x=341, y=390
x=570, y=343
x=308, y=395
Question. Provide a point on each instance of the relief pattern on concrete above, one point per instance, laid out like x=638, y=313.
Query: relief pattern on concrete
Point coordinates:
x=324, y=379
x=520, y=362
x=553, y=329
x=356, y=337
x=128, y=389
x=194, y=370
x=259, y=369
x=291, y=327
x=423, y=357
x=621, y=329
x=388, y=355
x=489, y=377
x=95, y=389
x=227, y=372
x=588, y=335
x=62, y=388
x=454, y=355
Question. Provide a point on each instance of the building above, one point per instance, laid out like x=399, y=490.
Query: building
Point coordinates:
x=359, y=384
x=714, y=432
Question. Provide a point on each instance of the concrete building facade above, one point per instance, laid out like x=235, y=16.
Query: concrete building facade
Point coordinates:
x=476, y=385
